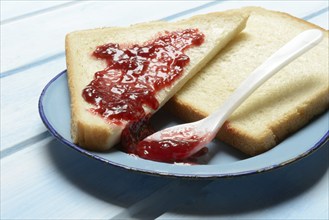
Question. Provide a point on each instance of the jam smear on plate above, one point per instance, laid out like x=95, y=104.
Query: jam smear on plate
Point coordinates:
x=166, y=150
x=134, y=132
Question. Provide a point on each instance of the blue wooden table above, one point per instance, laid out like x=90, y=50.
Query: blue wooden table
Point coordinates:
x=43, y=179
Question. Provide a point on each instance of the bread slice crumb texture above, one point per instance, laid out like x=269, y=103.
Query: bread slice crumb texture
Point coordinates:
x=280, y=106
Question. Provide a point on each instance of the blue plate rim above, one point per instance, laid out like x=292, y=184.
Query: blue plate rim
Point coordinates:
x=63, y=140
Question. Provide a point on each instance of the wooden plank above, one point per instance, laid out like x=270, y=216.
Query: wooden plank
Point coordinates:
x=53, y=26
x=51, y=181
x=19, y=102
x=321, y=20
x=297, y=191
x=15, y=10
x=298, y=10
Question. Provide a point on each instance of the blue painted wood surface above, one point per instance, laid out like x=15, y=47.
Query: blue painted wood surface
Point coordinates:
x=43, y=179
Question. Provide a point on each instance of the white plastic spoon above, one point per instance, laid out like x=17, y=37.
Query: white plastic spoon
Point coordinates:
x=180, y=142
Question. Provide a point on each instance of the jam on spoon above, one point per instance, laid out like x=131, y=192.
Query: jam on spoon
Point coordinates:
x=172, y=147
x=136, y=131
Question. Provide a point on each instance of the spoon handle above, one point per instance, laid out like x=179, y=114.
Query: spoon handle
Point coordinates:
x=294, y=48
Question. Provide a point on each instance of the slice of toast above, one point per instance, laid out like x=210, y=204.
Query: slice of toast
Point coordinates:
x=285, y=103
x=92, y=131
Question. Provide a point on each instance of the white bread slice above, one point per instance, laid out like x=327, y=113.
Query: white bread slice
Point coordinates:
x=93, y=132
x=282, y=105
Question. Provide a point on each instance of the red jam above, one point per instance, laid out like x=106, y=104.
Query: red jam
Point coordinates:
x=134, y=74
x=134, y=132
x=170, y=150
x=174, y=147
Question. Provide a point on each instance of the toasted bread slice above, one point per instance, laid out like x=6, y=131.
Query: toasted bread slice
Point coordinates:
x=93, y=132
x=282, y=105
